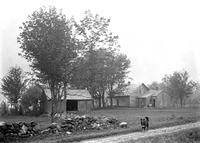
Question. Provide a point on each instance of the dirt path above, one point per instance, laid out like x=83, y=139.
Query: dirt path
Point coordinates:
x=139, y=135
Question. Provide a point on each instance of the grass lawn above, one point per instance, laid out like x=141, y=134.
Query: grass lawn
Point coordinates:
x=158, y=118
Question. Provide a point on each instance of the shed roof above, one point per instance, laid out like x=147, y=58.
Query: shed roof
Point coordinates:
x=75, y=94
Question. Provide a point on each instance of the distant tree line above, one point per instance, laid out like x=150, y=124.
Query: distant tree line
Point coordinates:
x=177, y=85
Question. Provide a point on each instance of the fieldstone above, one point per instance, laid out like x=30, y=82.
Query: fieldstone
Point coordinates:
x=58, y=127
x=123, y=125
x=63, y=116
x=24, y=129
x=68, y=133
x=45, y=131
x=36, y=128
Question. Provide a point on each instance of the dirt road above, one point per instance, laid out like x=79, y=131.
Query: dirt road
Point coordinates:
x=139, y=135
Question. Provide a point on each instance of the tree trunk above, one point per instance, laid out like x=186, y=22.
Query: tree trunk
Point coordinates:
x=103, y=102
x=93, y=103
x=16, y=109
x=65, y=97
x=99, y=101
x=111, y=101
x=92, y=95
x=181, y=102
x=52, y=102
x=111, y=96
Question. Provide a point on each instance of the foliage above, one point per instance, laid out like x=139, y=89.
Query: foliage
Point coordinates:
x=31, y=101
x=179, y=86
x=12, y=85
x=155, y=86
x=3, y=109
x=117, y=72
x=101, y=67
x=47, y=42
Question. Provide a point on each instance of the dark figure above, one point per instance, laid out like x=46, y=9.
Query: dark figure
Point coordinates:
x=145, y=123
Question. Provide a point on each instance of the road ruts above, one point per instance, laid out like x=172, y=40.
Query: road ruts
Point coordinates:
x=138, y=135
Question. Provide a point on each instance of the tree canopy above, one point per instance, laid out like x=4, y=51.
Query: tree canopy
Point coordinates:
x=179, y=86
x=101, y=67
x=47, y=42
x=65, y=52
x=12, y=85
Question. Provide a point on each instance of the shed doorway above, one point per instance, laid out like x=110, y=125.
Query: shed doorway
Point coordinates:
x=72, y=105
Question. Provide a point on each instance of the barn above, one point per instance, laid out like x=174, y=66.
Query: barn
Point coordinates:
x=77, y=100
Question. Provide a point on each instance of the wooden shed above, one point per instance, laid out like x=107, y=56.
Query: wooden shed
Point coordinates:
x=77, y=100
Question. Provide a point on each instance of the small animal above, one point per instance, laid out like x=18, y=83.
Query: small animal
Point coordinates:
x=145, y=123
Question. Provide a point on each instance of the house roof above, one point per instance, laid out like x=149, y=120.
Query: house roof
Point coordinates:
x=76, y=94
x=157, y=92
x=150, y=93
x=130, y=89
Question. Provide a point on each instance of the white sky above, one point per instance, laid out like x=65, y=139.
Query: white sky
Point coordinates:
x=159, y=37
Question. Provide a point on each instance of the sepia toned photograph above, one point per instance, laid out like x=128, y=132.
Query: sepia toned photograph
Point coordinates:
x=109, y=71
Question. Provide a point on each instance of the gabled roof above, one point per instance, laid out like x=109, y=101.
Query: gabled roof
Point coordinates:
x=76, y=94
x=130, y=89
x=146, y=95
x=157, y=92
x=150, y=93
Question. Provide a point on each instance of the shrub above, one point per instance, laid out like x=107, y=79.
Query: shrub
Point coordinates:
x=3, y=109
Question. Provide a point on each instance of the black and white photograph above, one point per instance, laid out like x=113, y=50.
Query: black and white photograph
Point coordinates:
x=91, y=71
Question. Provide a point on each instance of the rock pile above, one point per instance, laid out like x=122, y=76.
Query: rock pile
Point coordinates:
x=70, y=124
x=74, y=123
x=15, y=131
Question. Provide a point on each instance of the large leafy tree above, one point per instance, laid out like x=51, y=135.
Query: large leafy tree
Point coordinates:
x=179, y=86
x=47, y=42
x=12, y=85
x=100, y=64
x=117, y=73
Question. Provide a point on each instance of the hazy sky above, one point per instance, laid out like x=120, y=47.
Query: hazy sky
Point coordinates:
x=159, y=37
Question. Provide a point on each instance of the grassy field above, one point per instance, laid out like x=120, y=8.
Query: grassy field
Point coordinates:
x=158, y=118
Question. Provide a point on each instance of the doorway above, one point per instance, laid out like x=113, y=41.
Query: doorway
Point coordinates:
x=72, y=105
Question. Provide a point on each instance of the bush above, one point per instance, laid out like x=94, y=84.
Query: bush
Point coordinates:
x=3, y=109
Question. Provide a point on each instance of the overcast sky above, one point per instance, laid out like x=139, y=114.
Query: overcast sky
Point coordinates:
x=158, y=36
